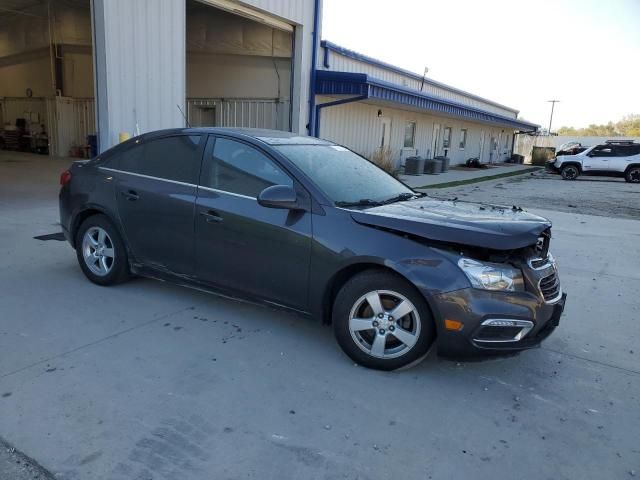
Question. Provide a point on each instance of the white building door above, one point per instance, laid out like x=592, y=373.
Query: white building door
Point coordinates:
x=435, y=140
x=481, y=149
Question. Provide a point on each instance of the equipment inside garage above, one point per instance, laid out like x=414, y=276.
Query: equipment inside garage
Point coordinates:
x=238, y=67
x=46, y=77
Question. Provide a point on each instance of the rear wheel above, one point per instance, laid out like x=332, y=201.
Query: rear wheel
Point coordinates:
x=632, y=175
x=570, y=172
x=381, y=321
x=101, y=252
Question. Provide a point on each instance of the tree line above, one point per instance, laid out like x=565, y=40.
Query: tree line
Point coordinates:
x=628, y=126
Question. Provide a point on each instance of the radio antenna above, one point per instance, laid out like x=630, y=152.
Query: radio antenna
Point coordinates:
x=183, y=116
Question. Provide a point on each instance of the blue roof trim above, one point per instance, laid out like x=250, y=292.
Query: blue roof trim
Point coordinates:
x=346, y=83
x=327, y=45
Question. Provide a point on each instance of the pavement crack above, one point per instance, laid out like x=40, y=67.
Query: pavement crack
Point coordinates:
x=598, y=362
x=95, y=342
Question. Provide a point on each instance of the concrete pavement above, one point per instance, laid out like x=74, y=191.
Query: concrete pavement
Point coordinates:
x=150, y=380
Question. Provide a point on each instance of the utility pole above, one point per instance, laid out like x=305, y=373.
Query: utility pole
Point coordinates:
x=553, y=104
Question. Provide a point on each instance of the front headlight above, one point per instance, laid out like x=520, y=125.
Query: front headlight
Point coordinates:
x=492, y=276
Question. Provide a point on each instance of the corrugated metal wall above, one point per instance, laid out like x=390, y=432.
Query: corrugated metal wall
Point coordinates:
x=140, y=65
x=75, y=119
x=357, y=126
x=32, y=109
x=292, y=10
x=340, y=63
x=248, y=113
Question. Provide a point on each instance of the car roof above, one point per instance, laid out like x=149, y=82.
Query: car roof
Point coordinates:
x=270, y=137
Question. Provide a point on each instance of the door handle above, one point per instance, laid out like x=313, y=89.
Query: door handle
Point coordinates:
x=131, y=195
x=211, y=216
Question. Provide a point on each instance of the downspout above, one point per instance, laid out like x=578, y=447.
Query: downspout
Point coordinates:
x=314, y=57
x=326, y=58
x=316, y=130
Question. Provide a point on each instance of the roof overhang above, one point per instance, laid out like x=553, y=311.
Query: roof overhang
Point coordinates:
x=360, y=84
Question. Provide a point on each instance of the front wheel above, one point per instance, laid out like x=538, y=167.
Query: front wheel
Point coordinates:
x=632, y=175
x=381, y=321
x=570, y=172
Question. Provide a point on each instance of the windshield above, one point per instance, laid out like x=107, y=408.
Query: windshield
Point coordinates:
x=342, y=175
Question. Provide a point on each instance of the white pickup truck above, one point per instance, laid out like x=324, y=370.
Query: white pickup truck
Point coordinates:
x=614, y=158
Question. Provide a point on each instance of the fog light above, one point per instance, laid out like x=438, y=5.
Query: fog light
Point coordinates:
x=454, y=325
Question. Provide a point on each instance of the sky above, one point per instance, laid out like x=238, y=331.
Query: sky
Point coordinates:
x=585, y=53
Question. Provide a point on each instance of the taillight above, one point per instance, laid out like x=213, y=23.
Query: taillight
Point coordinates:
x=65, y=177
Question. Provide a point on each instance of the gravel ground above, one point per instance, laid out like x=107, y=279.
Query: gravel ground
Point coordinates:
x=15, y=466
x=603, y=196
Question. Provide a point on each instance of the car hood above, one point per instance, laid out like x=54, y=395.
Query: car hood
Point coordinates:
x=463, y=223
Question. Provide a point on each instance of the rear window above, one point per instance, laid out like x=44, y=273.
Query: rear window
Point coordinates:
x=628, y=150
x=174, y=158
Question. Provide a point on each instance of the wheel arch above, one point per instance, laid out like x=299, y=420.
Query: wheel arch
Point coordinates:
x=87, y=212
x=343, y=275
x=571, y=163
x=632, y=165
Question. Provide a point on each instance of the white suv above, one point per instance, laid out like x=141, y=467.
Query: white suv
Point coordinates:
x=614, y=158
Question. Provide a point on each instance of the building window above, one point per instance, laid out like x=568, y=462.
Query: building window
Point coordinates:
x=410, y=135
x=506, y=141
x=463, y=138
x=446, y=140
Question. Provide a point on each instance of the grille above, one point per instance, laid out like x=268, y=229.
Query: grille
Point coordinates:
x=550, y=287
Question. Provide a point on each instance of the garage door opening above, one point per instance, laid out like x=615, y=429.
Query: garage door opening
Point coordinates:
x=239, y=67
x=46, y=77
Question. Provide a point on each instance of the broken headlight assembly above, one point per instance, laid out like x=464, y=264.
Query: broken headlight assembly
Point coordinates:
x=492, y=276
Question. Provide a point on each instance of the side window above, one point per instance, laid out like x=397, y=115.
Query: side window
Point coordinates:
x=239, y=168
x=463, y=139
x=628, y=150
x=173, y=158
x=131, y=159
x=603, y=151
x=446, y=139
x=409, y=134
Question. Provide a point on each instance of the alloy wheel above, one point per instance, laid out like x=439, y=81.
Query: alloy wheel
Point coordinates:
x=384, y=324
x=634, y=175
x=98, y=251
x=570, y=173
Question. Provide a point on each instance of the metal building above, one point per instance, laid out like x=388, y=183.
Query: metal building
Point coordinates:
x=372, y=106
x=74, y=68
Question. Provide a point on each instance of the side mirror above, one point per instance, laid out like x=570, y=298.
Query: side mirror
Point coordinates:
x=279, y=196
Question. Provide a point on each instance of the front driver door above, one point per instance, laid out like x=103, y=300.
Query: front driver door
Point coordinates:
x=241, y=245
x=598, y=159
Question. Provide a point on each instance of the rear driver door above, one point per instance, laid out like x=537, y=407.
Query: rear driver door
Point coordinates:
x=156, y=191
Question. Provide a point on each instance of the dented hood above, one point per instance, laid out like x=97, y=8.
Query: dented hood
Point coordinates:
x=465, y=223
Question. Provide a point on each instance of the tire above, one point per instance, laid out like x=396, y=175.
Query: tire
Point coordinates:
x=362, y=341
x=570, y=172
x=101, y=252
x=632, y=175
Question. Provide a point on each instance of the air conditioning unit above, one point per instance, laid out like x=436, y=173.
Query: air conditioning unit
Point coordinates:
x=406, y=153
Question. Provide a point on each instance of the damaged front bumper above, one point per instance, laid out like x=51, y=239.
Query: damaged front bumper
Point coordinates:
x=550, y=167
x=494, y=322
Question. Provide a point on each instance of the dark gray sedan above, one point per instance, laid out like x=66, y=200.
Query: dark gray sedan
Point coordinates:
x=311, y=226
